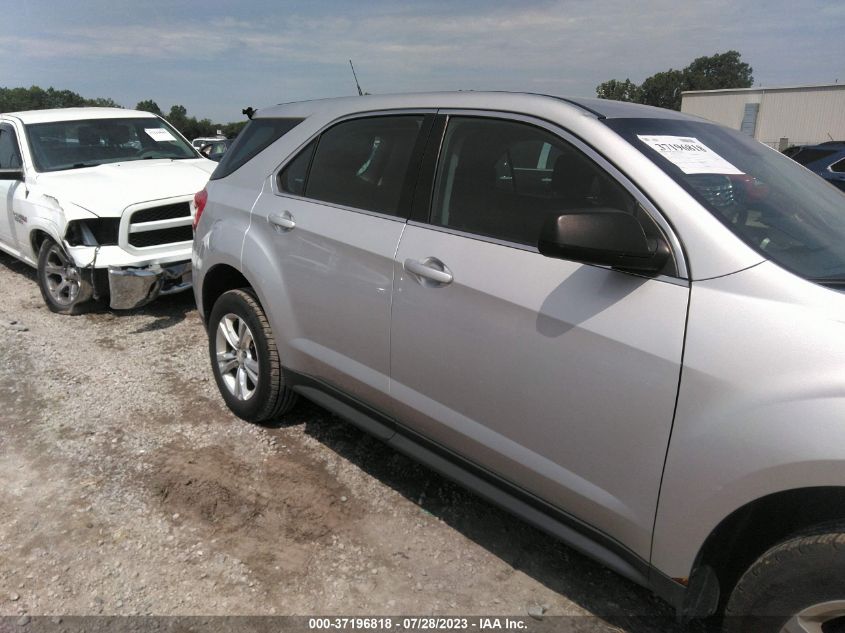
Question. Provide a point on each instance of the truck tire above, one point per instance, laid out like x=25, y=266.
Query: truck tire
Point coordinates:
x=797, y=585
x=245, y=360
x=63, y=285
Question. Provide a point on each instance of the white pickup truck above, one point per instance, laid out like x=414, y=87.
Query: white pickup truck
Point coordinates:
x=99, y=200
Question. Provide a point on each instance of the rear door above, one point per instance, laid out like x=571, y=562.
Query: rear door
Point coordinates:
x=556, y=376
x=10, y=158
x=334, y=222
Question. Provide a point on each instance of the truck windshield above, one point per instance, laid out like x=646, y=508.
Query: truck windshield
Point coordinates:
x=63, y=145
x=783, y=211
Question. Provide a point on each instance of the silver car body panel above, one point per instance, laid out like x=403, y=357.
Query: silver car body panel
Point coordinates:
x=530, y=366
x=761, y=405
x=595, y=376
x=341, y=331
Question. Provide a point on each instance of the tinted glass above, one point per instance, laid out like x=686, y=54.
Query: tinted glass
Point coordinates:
x=807, y=156
x=838, y=166
x=787, y=214
x=292, y=177
x=256, y=136
x=504, y=180
x=61, y=145
x=10, y=157
x=363, y=163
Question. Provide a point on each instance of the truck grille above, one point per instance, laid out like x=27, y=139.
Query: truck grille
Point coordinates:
x=157, y=226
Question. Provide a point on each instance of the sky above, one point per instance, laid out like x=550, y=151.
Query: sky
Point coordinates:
x=216, y=57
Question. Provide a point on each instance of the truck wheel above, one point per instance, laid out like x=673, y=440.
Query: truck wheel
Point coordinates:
x=245, y=360
x=796, y=586
x=64, y=288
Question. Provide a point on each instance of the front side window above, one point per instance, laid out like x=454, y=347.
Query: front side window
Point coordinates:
x=505, y=179
x=61, y=145
x=787, y=214
x=362, y=163
x=10, y=156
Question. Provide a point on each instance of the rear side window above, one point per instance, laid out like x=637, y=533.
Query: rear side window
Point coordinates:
x=255, y=137
x=10, y=157
x=292, y=177
x=361, y=164
x=838, y=166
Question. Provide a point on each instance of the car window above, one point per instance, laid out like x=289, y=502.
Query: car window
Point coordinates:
x=363, y=163
x=806, y=156
x=256, y=136
x=504, y=179
x=10, y=157
x=787, y=214
x=292, y=177
x=61, y=145
x=838, y=166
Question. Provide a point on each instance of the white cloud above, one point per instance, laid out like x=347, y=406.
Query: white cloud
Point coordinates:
x=566, y=46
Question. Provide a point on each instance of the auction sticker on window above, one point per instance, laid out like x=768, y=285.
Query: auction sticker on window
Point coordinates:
x=159, y=134
x=689, y=154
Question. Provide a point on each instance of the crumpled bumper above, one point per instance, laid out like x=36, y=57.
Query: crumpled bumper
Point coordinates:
x=131, y=287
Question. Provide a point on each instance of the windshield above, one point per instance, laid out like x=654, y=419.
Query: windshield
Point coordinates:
x=785, y=212
x=73, y=144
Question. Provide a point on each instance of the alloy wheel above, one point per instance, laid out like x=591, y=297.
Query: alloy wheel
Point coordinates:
x=237, y=356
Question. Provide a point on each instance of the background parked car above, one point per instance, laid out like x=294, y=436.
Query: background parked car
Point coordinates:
x=215, y=149
x=826, y=159
x=205, y=140
x=98, y=200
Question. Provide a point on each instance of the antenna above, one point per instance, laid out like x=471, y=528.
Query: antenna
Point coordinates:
x=360, y=92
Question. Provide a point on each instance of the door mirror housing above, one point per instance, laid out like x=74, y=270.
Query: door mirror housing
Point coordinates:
x=11, y=174
x=607, y=237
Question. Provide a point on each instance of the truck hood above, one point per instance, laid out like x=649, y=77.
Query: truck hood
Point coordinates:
x=106, y=190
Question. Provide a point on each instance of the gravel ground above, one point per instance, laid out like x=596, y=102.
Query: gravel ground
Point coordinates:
x=126, y=487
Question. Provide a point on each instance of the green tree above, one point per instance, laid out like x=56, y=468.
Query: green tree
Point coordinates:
x=148, y=105
x=232, y=129
x=663, y=89
x=618, y=90
x=36, y=98
x=722, y=70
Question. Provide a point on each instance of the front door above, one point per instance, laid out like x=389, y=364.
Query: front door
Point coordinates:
x=10, y=158
x=557, y=376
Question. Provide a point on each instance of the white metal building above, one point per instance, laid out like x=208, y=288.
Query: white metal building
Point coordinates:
x=779, y=117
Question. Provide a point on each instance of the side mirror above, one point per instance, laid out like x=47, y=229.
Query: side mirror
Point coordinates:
x=607, y=237
x=11, y=174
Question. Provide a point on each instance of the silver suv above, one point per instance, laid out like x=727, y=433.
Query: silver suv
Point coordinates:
x=624, y=324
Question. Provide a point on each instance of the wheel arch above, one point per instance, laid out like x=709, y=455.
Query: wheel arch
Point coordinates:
x=219, y=279
x=37, y=237
x=749, y=531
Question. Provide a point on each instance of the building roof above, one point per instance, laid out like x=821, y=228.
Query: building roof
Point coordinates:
x=763, y=89
x=76, y=114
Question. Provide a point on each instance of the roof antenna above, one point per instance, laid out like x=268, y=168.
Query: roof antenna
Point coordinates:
x=360, y=92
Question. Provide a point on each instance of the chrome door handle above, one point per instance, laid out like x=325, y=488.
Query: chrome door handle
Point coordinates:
x=283, y=221
x=430, y=269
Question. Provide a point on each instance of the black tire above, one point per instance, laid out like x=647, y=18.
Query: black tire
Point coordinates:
x=789, y=579
x=66, y=292
x=269, y=398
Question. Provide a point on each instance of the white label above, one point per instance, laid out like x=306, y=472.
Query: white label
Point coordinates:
x=690, y=154
x=158, y=134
